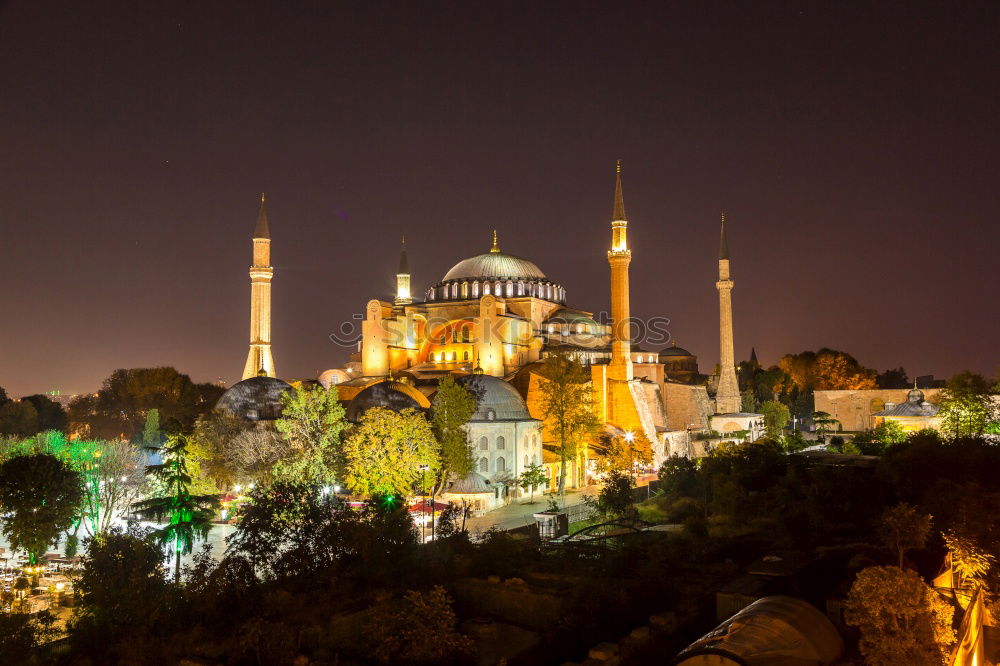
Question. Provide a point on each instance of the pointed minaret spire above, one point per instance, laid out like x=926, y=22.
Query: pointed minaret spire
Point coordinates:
x=619, y=257
x=723, y=245
x=495, y=248
x=403, y=278
x=619, y=213
x=259, y=359
x=262, y=230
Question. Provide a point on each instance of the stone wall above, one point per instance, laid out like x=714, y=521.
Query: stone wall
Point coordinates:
x=853, y=408
x=688, y=406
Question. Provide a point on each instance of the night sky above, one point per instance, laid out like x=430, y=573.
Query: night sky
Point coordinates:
x=852, y=145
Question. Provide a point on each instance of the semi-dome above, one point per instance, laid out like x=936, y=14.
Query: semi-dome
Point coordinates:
x=494, y=266
x=389, y=394
x=571, y=316
x=255, y=399
x=497, y=400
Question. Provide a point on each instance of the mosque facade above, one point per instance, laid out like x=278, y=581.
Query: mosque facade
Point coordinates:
x=498, y=316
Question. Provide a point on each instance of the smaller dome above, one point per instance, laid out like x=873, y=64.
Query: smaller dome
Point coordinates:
x=333, y=377
x=915, y=395
x=388, y=394
x=497, y=400
x=255, y=399
x=674, y=350
x=473, y=484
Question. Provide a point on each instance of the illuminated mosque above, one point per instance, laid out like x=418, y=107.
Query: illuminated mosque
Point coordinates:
x=491, y=320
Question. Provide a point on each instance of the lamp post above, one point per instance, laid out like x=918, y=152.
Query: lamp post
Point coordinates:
x=630, y=437
x=423, y=489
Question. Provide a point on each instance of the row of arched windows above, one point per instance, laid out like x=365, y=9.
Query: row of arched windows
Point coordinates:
x=484, y=465
x=484, y=443
x=509, y=289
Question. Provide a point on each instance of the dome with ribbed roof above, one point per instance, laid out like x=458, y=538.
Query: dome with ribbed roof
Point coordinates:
x=255, y=398
x=494, y=266
x=497, y=400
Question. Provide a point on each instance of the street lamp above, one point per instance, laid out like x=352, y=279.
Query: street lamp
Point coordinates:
x=423, y=489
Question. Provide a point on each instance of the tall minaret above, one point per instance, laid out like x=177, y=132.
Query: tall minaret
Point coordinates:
x=259, y=360
x=727, y=397
x=403, y=278
x=619, y=257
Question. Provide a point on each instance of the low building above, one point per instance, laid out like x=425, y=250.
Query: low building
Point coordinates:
x=855, y=408
x=912, y=415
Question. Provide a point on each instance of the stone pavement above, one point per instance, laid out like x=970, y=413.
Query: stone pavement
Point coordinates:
x=516, y=514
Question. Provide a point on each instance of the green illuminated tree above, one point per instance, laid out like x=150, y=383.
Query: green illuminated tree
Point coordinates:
x=312, y=423
x=531, y=478
x=776, y=417
x=824, y=424
x=567, y=404
x=451, y=409
x=903, y=528
x=901, y=619
x=151, y=437
x=967, y=406
x=39, y=498
x=188, y=517
x=384, y=452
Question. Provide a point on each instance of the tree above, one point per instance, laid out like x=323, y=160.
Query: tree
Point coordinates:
x=615, y=498
x=21, y=634
x=312, y=423
x=211, y=444
x=901, y=619
x=125, y=595
x=875, y=441
x=903, y=528
x=396, y=638
x=51, y=415
x=748, y=401
x=971, y=562
x=114, y=477
x=18, y=418
x=624, y=453
x=567, y=404
x=531, y=478
x=189, y=517
x=384, y=452
x=827, y=369
x=151, y=437
x=451, y=410
x=39, y=497
x=894, y=378
x=776, y=417
x=824, y=423
x=967, y=406
x=120, y=407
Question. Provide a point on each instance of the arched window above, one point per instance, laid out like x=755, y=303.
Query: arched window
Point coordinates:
x=465, y=290
x=878, y=404
x=526, y=461
x=484, y=444
x=501, y=465
x=484, y=465
x=520, y=288
x=501, y=443
x=465, y=356
x=475, y=290
x=534, y=441
x=454, y=290
x=534, y=460
x=486, y=288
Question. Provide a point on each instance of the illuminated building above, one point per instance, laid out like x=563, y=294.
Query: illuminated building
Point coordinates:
x=259, y=359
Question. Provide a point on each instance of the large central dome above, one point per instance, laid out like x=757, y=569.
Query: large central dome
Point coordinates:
x=494, y=265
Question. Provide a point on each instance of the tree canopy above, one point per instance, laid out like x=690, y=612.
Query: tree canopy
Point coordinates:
x=451, y=409
x=311, y=424
x=567, y=404
x=40, y=496
x=126, y=397
x=384, y=452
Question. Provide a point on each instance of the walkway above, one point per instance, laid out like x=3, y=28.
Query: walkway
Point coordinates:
x=516, y=515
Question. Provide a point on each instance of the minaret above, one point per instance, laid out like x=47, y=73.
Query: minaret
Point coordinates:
x=403, y=278
x=619, y=256
x=727, y=397
x=259, y=360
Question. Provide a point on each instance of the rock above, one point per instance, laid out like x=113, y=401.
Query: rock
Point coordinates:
x=640, y=634
x=604, y=651
x=664, y=622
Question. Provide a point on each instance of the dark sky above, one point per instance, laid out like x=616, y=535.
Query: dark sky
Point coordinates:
x=853, y=146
